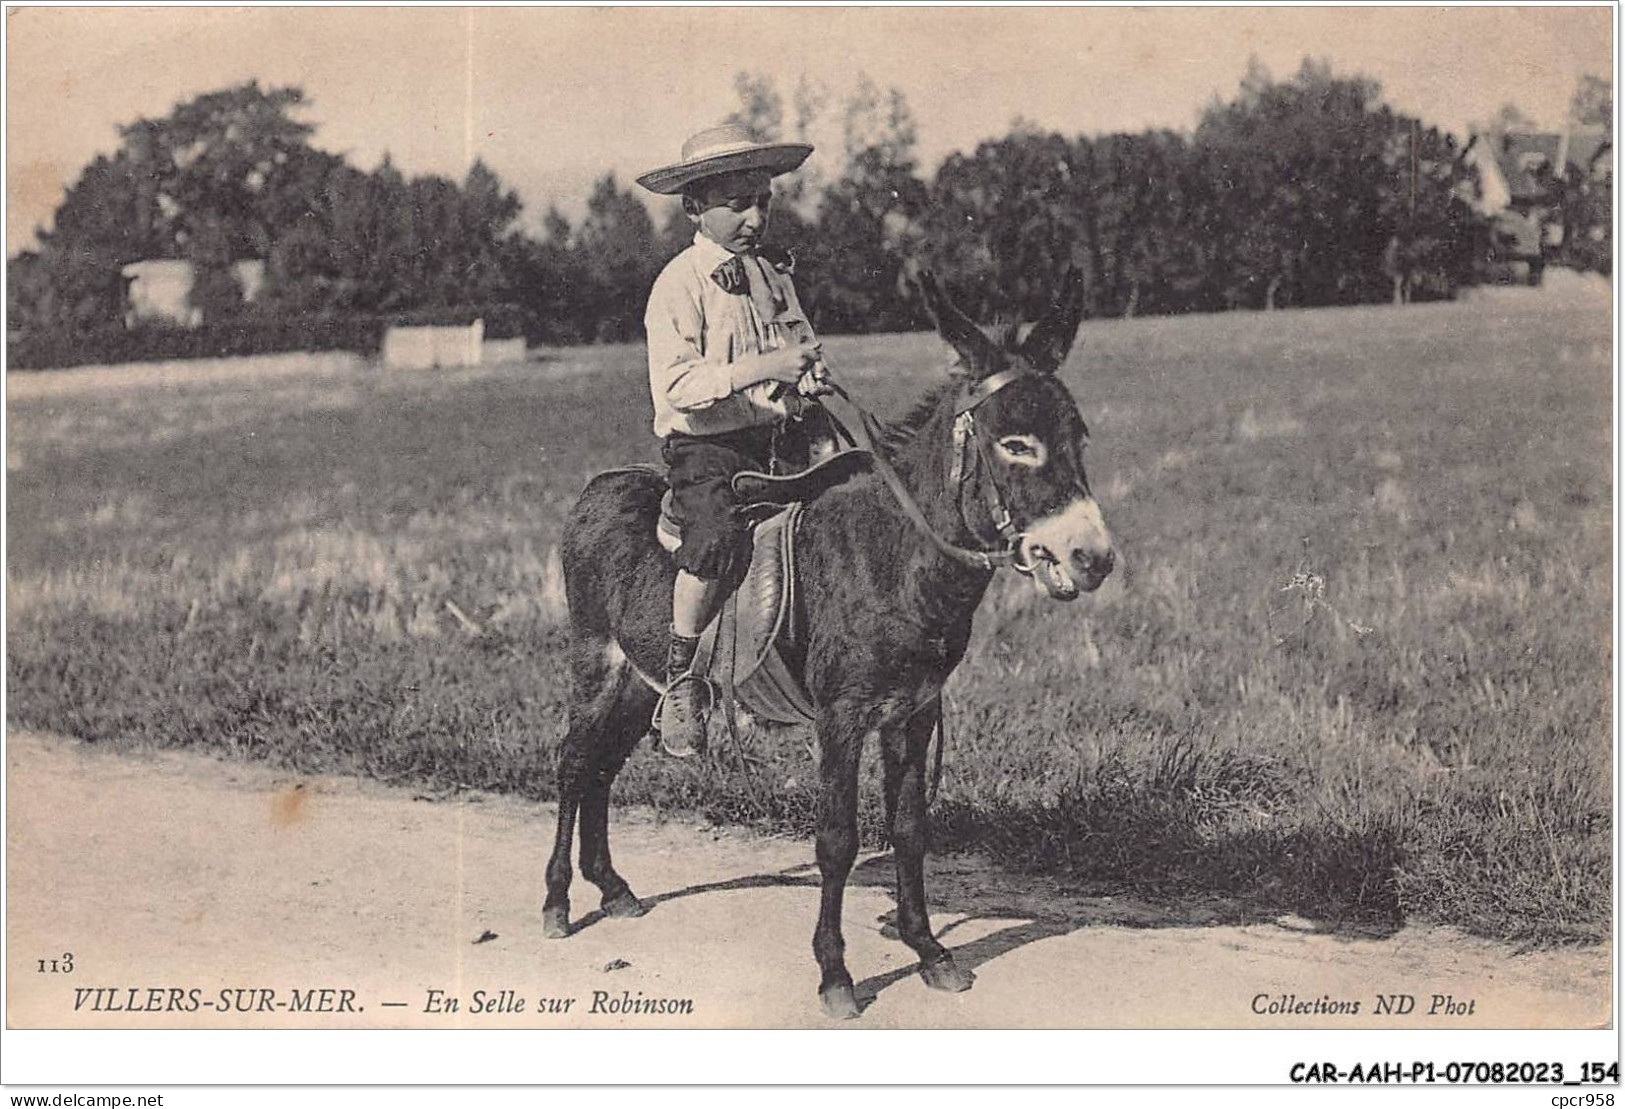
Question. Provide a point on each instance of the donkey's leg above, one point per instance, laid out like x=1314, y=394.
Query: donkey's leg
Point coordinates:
x=840, y=739
x=627, y=725
x=572, y=783
x=905, y=751
x=597, y=682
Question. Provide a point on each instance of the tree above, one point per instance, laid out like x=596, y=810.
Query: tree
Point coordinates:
x=867, y=221
x=1508, y=118
x=1588, y=221
x=1303, y=173
x=761, y=108
x=761, y=114
x=314, y=264
x=215, y=293
x=211, y=183
x=879, y=122
x=1431, y=228
x=851, y=236
x=809, y=102
x=55, y=290
x=221, y=162
x=618, y=258
x=677, y=231
x=114, y=209
x=229, y=176
x=1141, y=235
x=1593, y=103
x=487, y=215
x=1005, y=220
x=545, y=278
x=1588, y=178
x=108, y=218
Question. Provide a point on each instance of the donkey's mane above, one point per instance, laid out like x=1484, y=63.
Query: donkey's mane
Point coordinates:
x=902, y=431
x=1004, y=333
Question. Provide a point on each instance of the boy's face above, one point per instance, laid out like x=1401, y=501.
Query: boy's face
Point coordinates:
x=733, y=209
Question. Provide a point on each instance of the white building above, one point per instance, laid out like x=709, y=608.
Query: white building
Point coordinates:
x=424, y=348
x=158, y=289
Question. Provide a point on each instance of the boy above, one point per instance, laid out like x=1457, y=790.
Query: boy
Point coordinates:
x=728, y=346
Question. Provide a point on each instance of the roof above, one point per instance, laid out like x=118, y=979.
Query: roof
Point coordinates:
x=174, y=268
x=1522, y=156
x=1491, y=194
x=1585, y=144
x=1520, y=167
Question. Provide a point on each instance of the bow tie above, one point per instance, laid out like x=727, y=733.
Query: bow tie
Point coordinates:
x=733, y=278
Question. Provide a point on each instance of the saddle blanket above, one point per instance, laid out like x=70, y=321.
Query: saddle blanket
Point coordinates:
x=754, y=623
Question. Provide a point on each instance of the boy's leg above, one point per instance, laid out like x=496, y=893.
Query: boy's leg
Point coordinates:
x=694, y=602
x=713, y=556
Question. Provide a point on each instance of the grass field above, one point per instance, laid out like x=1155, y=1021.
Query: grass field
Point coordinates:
x=1355, y=663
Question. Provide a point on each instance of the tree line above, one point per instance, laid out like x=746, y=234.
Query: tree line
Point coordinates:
x=1298, y=192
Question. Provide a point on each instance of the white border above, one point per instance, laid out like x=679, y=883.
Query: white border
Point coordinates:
x=70, y=1061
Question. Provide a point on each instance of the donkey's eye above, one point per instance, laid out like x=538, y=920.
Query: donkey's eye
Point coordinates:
x=1022, y=450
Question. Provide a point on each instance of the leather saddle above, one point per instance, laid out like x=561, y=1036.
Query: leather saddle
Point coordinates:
x=742, y=645
x=763, y=495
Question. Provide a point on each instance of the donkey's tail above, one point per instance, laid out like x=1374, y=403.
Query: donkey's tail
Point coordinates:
x=941, y=736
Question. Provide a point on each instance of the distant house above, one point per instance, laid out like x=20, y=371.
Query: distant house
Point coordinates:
x=250, y=278
x=433, y=347
x=1588, y=150
x=446, y=346
x=158, y=290
x=1521, y=176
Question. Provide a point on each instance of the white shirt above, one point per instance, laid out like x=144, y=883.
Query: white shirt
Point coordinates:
x=696, y=331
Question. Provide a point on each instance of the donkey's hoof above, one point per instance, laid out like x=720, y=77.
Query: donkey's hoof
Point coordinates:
x=944, y=974
x=556, y=922
x=840, y=1002
x=624, y=904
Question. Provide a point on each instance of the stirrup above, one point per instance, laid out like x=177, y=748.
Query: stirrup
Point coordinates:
x=656, y=737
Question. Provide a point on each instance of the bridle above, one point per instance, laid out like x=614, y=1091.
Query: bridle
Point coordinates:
x=969, y=453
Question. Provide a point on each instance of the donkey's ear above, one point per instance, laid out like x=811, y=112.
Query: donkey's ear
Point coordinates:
x=954, y=326
x=1048, y=343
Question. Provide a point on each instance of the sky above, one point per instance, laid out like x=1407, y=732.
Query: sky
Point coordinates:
x=551, y=98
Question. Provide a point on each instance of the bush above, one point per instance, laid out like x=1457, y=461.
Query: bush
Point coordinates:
x=248, y=334
x=162, y=342
x=502, y=321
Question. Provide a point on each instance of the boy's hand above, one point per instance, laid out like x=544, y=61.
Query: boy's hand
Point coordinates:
x=816, y=381
x=787, y=364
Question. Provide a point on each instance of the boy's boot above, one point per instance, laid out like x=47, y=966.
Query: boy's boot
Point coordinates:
x=680, y=718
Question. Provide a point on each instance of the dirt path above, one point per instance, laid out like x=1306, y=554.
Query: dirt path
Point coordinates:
x=179, y=873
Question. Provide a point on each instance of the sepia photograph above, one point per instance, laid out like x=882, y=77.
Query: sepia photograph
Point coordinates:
x=787, y=518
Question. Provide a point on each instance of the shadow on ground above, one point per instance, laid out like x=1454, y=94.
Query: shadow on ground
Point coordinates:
x=963, y=889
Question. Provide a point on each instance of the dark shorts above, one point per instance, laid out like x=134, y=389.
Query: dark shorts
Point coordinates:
x=716, y=538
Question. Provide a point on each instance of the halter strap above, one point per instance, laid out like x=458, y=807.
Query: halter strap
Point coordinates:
x=866, y=437
x=969, y=453
x=973, y=395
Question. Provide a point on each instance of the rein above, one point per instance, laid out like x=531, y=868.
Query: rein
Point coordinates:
x=868, y=435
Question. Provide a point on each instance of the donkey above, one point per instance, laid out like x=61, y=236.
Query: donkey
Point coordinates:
x=993, y=461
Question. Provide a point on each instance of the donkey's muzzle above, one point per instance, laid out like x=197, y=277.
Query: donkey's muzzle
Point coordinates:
x=1082, y=572
x=1070, y=552
x=1092, y=568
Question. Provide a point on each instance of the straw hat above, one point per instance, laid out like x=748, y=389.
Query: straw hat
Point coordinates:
x=725, y=149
